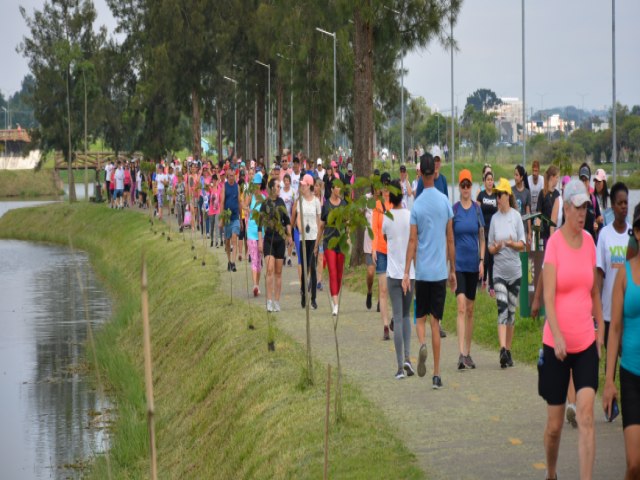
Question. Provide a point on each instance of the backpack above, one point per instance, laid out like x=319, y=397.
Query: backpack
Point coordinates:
x=474, y=205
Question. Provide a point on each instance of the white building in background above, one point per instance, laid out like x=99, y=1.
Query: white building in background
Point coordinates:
x=508, y=117
x=550, y=125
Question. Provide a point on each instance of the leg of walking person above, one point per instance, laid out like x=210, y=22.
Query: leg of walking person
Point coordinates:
x=513, y=291
x=311, y=269
x=632, y=449
x=461, y=302
x=394, y=287
x=405, y=326
x=435, y=344
x=371, y=273
x=552, y=434
x=381, y=271
x=585, y=398
x=269, y=288
x=278, y=279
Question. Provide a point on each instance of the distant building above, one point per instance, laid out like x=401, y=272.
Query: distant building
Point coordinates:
x=508, y=117
x=550, y=125
x=599, y=127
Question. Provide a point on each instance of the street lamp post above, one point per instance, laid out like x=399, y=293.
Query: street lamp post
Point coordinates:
x=335, y=126
x=614, y=110
x=235, y=112
x=524, y=103
x=268, y=67
x=453, y=123
x=290, y=100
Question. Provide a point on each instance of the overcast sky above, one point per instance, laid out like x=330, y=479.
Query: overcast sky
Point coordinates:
x=568, y=52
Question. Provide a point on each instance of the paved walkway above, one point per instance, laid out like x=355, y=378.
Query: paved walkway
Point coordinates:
x=485, y=423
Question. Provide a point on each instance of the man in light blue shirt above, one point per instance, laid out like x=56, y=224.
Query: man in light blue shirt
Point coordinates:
x=430, y=245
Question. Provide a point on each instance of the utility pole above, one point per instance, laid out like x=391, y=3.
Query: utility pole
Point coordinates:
x=524, y=103
x=614, y=109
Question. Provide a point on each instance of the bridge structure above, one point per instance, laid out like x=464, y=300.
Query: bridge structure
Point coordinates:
x=91, y=160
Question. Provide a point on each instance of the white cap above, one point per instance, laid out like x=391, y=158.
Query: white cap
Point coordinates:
x=576, y=193
x=319, y=161
x=435, y=152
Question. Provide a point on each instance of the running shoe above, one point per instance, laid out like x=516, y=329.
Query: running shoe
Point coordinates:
x=233, y=267
x=368, y=301
x=400, y=374
x=314, y=305
x=385, y=335
x=461, y=365
x=288, y=262
x=239, y=258
x=509, y=359
x=422, y=359
x=269, y=306
x=335, y=310
x=276, y=306
x=378, y=306
x=228, y=266
x=443, y=334
x=303, y=303
x=319, y=286
x=504, y=358
x=408, y=369
x=437, y=382
x=570, y=413
x=256, y=291
x=469, y=363
x=391, y=325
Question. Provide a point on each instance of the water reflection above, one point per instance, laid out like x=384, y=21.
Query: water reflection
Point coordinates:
x=48, y=407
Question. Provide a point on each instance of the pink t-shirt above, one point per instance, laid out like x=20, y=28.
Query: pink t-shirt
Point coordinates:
x=574, y=281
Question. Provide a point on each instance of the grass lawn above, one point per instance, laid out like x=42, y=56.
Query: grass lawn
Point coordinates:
x=28, y=184
x=225, y=407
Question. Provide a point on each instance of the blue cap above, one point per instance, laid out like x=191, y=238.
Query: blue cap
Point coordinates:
x=257, y=178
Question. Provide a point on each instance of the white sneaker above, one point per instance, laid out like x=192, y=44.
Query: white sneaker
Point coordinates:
x=335, y=310
x=269, y=306
x=276, y=306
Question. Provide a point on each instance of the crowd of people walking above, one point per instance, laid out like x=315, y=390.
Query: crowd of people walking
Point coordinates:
x=422, y=244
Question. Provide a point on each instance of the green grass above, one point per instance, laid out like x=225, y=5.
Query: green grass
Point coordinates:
x=28, y=184
x=225, y=407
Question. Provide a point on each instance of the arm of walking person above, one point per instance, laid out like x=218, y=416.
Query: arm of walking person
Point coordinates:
x=451, y=255
x=481, y=252
x=554, y=215
x=596, y=311
x=221, y=206
x=519, y=244
x=549, y=279
x=615, y=334
x=537, y=295
x=410, y=257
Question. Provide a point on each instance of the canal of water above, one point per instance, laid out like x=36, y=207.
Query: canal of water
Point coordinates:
x=52, y=419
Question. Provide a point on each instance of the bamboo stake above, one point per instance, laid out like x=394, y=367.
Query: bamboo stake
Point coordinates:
x=326, y=424
x=147, y=371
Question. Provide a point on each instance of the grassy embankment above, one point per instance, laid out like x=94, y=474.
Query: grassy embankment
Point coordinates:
x=28, y=184
x=225, y=407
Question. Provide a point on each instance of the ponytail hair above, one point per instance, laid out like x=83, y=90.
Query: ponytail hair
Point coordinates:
x=552, y=171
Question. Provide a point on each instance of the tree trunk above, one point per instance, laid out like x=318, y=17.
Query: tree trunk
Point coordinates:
x=363, y=109
x=280, y=95
x=314, y=131
x=71, y=180
x=195, y=124
x=219, y=131
x=260, y=126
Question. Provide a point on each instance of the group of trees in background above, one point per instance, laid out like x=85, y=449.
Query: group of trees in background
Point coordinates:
x=154, y=84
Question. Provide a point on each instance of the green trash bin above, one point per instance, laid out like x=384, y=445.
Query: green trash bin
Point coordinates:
x=531, y=263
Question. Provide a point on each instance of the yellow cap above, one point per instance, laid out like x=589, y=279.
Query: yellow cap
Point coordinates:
x=503, y=186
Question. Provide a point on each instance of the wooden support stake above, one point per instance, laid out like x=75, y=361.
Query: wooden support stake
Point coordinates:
x=148, y=377
x=326, y=424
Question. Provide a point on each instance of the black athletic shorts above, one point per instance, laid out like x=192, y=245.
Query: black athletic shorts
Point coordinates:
x=553, y=375
x=629, y=397
x=467, y=283
x=275, y=248
x=430, y=297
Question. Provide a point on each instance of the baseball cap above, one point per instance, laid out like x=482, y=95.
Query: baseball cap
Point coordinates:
x=464, y=175
x=334, y=164
x=319, y=161
x=257, y=178
x=435, y=151
x=276, y=166
x=576, y=193
x=385, y=178
x=427, y=164
x=403, y=168
x=584, y=171
x=307, y=180
x=349, y=167
x=503, y=186
x=601, y=175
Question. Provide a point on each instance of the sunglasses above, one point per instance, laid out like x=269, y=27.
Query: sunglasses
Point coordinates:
x=465, y=185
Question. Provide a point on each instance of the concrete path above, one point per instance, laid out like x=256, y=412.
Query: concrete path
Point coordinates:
x=485, y=423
